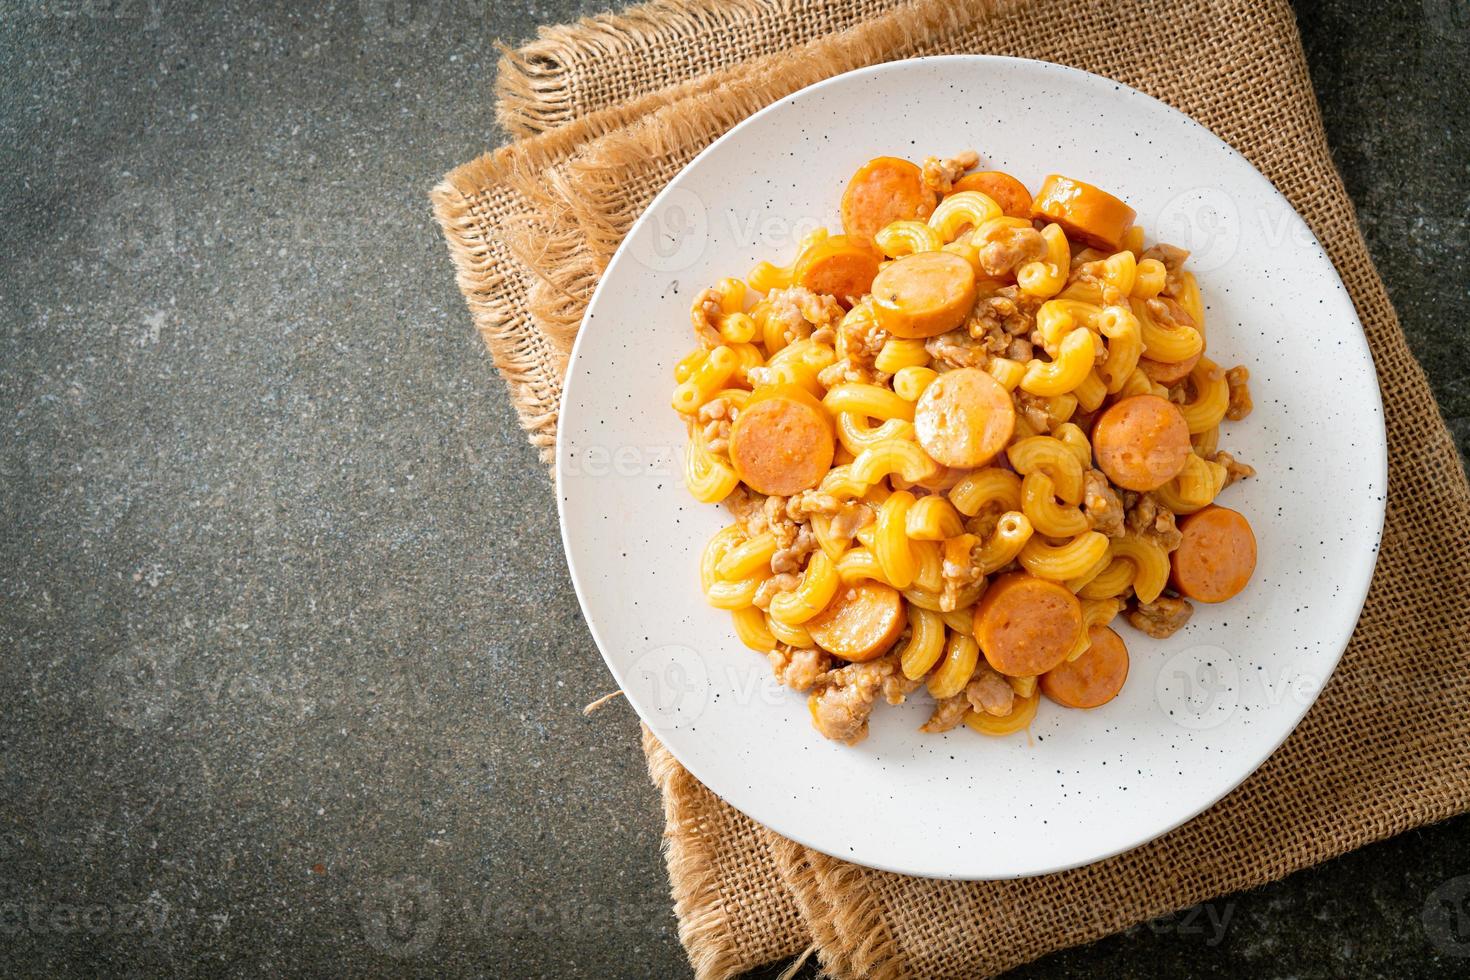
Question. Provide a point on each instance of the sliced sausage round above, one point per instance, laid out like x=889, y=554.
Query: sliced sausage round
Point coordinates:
x=1216, y=555
x=1087, y=214
x=861, y=623
x=782, y=441
x=1094, y=678
x=1026, y=625
x=1141, y=443
x=964, y=418
x=885, y=190
x=924, y=294
x=840, y=266
x=1012, y=196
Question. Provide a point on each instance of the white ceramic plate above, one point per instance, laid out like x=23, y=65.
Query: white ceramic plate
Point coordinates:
x=1202, y=709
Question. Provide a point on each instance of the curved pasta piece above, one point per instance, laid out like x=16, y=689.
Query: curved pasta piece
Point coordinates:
x=934, y=518
x=899, y=353
x=891, y=542
x=868, y=400
x=710, y=376
x=893, y=456
x=1166, y=342
x=1058, y=563
x=766, y=277
x=1047, y=277
x=961, y=655
x=818, y=585
x=1055, y=458
x=1038, y=502
x=1011, y=534
x=925, y=643
x=1072, y=365
x=1211, y=397
x=1150, y=563
x=907, y=237
x=750, y=627
x=1095, y=612
x=708, y=477
x=856, y=435
x=1111, y=581
x=964, y=208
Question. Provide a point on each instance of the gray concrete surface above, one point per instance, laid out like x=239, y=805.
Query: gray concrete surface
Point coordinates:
x=290, y=663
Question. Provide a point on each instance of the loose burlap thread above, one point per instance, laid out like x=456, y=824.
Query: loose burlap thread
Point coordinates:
x=606, y=111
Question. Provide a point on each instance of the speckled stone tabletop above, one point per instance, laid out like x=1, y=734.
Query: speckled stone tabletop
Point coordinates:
x=290, y=663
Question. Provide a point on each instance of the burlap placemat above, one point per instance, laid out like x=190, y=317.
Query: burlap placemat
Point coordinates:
x=611, y=109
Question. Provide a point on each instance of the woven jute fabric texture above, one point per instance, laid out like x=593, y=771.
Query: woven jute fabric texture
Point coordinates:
x=610, y=109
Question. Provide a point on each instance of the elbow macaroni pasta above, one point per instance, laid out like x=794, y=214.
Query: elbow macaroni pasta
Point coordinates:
x=885, y=528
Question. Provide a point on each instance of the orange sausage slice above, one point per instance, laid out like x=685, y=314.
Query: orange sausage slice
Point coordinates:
x=1087, y=214
x=964, y=418
x=1216, y=555
x=839, y=266
x=1094, y=678
x=1025, y=625
x=924, y=294
x=1160, y=372
x=1141, y=442
x=782, y=441
x=861, y=623
x=1012, y=196
x=884, y=190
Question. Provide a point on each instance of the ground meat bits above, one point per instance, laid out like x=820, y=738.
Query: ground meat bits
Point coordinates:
x=947, y=715
x=1010, y=249
x=1033, y=409
x=940, y=175
x=1161, y=618
x=1148, y=519
x=989, y=692
x=799, y=311
x=862, y=340
x=1234, y=469
x=717, y=415
x=704, y=316
x=1101, y=504
x=1004, y=321
x=798, y=667
x=1240, y=393
x=957, y=349
x=772, y=587
x=843, y=699
x=794, y=538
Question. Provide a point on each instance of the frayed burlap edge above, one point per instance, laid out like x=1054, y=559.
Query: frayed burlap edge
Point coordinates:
x=549, y=82
x=536, y=84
